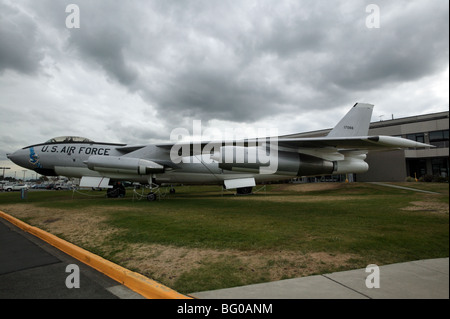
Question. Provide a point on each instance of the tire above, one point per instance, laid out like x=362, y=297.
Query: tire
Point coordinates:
x=112, y=193
x=151, y=197
x=244, y=190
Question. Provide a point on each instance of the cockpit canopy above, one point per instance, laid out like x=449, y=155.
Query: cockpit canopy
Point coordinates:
x=69, y=139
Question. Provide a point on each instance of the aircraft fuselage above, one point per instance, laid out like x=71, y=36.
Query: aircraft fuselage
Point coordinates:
x=71, y=159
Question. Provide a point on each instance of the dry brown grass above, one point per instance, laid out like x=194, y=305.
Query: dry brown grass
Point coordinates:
x=84, y=228
x=168, y=263
x=428, y=206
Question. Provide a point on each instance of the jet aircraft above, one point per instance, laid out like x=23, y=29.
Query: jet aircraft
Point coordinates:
x=236, y=164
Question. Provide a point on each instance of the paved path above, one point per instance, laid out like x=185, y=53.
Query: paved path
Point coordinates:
x=420, y=279
x=32, y=269
x=403, y=187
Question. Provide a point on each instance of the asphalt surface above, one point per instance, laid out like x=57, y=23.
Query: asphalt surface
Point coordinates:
x=32, y=269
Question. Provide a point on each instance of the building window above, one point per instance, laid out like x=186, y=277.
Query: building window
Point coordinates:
x=418, y=137
x=439, y=138
x=417, y=167
x=439, y=167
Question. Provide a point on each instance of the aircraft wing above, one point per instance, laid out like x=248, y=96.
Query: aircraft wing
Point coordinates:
x=328, y=148
x=380, y=142
x=359, y=142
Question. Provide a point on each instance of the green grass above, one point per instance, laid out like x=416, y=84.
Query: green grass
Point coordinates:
x=370, y=224
x=365, y=224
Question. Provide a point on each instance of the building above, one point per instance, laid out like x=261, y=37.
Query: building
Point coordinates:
x=398, y=165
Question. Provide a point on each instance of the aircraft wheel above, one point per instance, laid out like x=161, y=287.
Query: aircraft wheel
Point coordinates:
x=118, y=191
x=112, y=193
x=151, y=197
x=244, y=190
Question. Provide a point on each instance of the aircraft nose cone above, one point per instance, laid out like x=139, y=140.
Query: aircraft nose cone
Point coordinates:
x=21, y=158
x=12, y=157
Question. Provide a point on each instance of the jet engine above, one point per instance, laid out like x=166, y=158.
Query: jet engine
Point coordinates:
x=123, y=165
x=351, y=164
x=257, y=160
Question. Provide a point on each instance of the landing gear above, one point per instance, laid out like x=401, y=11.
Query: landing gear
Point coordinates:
x=151, y=197
x=244, y=190
x=156, y=194
x=118, y=191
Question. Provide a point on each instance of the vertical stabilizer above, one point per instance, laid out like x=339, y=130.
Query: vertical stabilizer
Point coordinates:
x=355, y=123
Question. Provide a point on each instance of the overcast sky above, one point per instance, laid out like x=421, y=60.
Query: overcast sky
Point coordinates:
x=135, y=70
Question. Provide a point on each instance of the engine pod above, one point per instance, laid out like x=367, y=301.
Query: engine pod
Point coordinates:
x=257, y=160
x=123, y=165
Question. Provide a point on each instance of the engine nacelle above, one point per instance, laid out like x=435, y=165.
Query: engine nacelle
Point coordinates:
x=351, y=165
x=256, y=160
x=123, y=165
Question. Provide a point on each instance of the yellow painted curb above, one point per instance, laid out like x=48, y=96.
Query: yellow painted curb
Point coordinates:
x=136, y=282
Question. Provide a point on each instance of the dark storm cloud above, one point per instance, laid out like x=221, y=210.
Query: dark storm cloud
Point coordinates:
x=239, y=62
x=19, y=49
x=322, y=50
x=105, y=37
x=105, y=47
x=411, y=43
x=221, y=94
x=332, y=47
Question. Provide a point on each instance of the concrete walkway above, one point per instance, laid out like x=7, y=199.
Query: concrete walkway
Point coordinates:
x=405, y=188
x=422, y=279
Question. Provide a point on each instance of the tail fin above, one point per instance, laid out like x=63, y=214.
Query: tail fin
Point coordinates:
x=355, y=123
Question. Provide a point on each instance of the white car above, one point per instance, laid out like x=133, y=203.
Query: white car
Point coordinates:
x=60, y=186
x=14, y=187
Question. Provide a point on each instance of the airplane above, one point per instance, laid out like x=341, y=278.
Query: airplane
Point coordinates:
x=235, y=164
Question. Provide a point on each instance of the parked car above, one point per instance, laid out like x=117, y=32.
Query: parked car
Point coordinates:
x=39, y=186
x=59, y=187
x=14, y=187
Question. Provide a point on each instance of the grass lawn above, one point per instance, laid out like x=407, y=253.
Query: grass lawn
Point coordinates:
x=201, y=239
